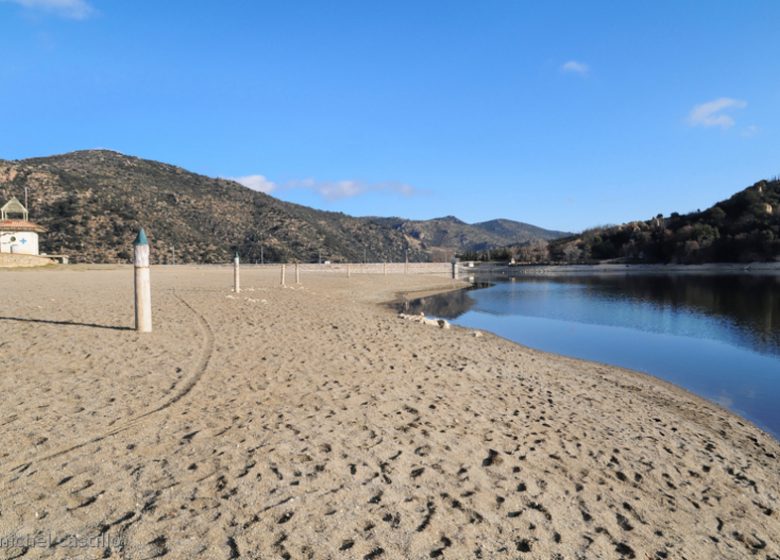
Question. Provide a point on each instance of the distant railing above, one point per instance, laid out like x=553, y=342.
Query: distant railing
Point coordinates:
x=359, y=268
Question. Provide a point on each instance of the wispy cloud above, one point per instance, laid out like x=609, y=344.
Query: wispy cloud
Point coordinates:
x=329, y=190
x=73, y=9
x=750, y=131
x=575, y=67
x=712, y=113
x=336, y=190
x=255, y=182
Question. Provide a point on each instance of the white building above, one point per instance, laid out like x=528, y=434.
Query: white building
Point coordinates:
x=17, y=233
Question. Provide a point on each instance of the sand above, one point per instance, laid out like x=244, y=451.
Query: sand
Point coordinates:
x=312, y=422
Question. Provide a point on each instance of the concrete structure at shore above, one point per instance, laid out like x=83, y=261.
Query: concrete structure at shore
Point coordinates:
x=18, y=236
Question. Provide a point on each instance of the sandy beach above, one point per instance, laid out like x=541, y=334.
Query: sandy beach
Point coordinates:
x=311, y=422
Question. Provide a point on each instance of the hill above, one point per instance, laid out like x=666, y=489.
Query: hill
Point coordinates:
x=451, y=233
x=523, y=231
x=744, y=228
x=94, y=201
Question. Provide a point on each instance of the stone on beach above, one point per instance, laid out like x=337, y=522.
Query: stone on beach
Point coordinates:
x=421, y=318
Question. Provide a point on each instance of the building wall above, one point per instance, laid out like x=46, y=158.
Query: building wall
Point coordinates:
x=8, y=260
x=19, y=242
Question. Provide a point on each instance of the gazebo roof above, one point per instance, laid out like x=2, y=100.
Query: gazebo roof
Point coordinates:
x=20, y=225
x=13, y=206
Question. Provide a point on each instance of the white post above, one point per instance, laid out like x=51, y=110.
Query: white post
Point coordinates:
x=349, y=271
x=143, y=286
x=236, y=279
x=297, y=274
x=406, y=261
x=283, y=272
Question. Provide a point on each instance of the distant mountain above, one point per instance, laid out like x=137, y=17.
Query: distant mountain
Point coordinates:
x=451, y=233
x=744, y=228
x=509, y=229
x=94, y=201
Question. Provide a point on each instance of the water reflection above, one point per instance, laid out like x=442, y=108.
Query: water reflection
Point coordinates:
x=749, y=304
x=718, y=336
x=741, y=309
x=445, y=306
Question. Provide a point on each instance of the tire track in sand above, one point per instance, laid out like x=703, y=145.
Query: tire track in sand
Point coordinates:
x=200, y=369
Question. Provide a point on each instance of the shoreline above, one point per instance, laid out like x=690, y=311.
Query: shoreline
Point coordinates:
x=308, y=421
x=682, y=392
x=756, y=268
x=553, y=355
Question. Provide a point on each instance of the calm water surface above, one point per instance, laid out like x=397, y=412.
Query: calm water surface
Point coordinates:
x=718, y=336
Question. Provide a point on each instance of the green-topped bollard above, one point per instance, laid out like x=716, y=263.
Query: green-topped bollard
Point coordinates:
x=143, y=284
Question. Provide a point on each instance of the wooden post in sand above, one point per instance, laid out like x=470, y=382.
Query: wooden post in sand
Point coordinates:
x=384, y=268
x=236, y=279
x=297, y=274
x=143, y=285
x=283, y=273
x=349, y=271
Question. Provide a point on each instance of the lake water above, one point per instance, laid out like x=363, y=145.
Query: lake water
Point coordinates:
x=716, y=335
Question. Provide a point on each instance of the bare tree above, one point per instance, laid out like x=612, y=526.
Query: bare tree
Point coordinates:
x=571, y=253
x=534, y=251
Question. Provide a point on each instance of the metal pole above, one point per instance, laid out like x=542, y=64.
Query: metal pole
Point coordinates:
x=236, y=279
x=143, y=287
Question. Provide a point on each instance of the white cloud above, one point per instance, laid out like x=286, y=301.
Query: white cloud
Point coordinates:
x=74, y=9
x=712, y=112
x=336, y=190
x=256, y=183
x=574, y=67
x=329, y=190
x=340, y=189
x=750, y=131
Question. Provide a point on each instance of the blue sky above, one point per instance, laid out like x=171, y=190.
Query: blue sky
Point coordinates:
x=561, y=114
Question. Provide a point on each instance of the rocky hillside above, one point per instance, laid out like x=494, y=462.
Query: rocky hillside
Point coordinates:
x=451, y=233
x=743, y=228
x=94, y=201
x=518, y=230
